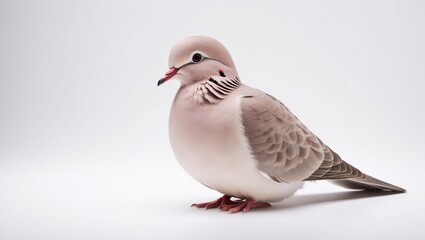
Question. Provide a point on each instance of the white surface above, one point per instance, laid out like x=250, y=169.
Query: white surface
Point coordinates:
x=84, y=150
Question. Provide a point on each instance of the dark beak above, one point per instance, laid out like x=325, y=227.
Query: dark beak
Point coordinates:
x=169, y=74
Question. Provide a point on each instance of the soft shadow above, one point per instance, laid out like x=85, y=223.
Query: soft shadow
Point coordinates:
x=305, y=200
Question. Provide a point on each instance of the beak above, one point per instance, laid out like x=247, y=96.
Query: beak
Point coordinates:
x=169, y=74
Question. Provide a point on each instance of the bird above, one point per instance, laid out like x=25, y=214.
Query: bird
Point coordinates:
x=240, y=141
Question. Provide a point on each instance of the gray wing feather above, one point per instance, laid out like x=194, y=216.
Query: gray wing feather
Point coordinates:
x=287, y=151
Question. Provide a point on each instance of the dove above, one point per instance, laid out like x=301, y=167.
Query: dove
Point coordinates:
x=240, y=141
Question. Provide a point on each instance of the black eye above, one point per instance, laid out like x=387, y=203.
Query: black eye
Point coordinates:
x=197, y=57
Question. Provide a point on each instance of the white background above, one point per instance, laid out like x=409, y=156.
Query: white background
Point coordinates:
x=84, y=150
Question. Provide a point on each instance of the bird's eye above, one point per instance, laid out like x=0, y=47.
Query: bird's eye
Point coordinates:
x=197, y=57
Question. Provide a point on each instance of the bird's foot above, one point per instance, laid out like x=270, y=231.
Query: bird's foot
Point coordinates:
x=225, y=200
x=226, y=204
x=244, y=206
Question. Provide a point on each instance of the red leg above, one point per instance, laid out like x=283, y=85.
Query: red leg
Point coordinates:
x=226, y=204
x=214, y=204
x=247, y=205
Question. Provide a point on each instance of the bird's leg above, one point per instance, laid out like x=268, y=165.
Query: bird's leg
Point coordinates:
x=244, y=206
x=226, y=204
x=223, y=201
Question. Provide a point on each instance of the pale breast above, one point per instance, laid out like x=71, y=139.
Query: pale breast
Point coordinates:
x=208, y=141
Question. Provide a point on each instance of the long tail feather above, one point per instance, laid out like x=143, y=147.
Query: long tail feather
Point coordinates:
x=368, y=183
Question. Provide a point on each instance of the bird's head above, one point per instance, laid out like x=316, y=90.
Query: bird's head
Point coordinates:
x=197, y=58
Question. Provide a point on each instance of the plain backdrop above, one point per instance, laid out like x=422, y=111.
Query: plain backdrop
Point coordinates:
x=84, y=151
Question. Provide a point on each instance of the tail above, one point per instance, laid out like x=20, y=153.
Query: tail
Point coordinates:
x=367, y=183
x=339, y=172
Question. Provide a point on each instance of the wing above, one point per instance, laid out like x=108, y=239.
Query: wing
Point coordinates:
x=284, y=148
x=287, y=151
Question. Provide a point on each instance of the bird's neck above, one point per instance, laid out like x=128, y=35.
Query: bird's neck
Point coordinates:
x=210, y=91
